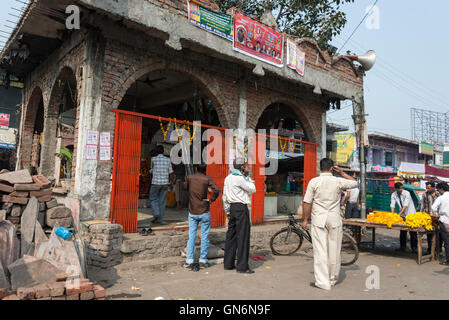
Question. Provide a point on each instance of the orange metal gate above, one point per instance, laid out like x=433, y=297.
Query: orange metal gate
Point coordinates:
x=218, y=172
x=126, y=171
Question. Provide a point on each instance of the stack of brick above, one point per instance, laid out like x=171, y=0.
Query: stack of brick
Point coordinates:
x=61, y=289
x=16, y=189
x=103, y=243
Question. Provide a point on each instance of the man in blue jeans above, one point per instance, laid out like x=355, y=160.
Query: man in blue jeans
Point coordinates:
x=162, y=172
x=198, y=185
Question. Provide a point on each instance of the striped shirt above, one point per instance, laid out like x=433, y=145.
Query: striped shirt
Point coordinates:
x=161, y=168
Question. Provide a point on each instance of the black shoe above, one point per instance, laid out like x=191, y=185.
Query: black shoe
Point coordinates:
x=246, y=271
x=195, y=267
x=232, y=268
x=187, y=265
x=204, y=265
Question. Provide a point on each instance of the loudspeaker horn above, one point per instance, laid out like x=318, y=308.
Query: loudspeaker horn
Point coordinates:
x=367, y=60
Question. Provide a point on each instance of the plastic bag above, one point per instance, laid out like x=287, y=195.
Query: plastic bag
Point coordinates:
x=64, y=233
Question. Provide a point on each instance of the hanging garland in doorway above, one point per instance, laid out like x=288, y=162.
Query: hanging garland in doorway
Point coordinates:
x=182, y=129
x=165, y=132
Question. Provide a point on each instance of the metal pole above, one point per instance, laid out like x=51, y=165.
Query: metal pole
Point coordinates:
x=360, y=129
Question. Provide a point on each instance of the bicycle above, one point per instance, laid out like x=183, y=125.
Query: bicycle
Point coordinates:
x=289, y=240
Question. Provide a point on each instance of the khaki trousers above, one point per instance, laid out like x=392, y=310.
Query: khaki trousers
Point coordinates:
x=326, y=253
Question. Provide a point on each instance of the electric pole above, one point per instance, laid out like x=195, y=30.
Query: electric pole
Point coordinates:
x=358, y=106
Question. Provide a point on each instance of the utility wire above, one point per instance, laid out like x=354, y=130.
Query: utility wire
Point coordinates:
x=366, y=15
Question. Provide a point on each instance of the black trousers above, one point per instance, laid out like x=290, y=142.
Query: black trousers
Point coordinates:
x=237, y=237
x=444, y=232
x=351, y=211
x=413, y=239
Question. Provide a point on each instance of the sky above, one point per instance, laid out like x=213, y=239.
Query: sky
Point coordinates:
x=411, y=71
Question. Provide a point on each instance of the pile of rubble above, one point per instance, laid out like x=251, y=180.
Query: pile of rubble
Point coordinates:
x=16, y=190
x=31, y=262
x=61, y=288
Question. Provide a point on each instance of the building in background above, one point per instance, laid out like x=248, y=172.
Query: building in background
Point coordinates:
x=10, y=115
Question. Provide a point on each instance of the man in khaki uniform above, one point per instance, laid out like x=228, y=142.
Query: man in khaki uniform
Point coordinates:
x=322, y=201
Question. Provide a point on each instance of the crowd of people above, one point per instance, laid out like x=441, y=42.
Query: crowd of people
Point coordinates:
x=323, y=202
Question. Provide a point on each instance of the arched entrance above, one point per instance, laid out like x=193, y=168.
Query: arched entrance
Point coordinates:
x=157, y=105
x=32, y=128
x=59, y=129
x=295, y=156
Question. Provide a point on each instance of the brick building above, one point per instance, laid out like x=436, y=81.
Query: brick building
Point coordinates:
x=138, y=55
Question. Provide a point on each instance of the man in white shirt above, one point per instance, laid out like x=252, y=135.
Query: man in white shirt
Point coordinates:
x=322, y=202
x=237, y=191
x=404, y=200
x=352, y=204
x=441, y=206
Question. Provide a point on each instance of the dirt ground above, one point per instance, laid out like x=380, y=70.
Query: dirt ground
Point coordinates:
x=289, y=278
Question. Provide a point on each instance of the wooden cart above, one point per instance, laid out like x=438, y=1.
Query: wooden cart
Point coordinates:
x=420, y=232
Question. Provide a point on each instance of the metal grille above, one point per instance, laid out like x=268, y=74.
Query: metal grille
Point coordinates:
x=429, y=125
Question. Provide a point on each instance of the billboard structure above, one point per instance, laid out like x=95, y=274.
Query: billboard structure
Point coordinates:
x=430, y=125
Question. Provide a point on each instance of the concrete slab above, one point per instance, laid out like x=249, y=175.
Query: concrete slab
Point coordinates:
x=9, y=244
x=17, y=177
x=28, y=225
x=30, y=271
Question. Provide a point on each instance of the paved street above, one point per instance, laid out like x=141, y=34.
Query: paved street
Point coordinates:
x=289, y=278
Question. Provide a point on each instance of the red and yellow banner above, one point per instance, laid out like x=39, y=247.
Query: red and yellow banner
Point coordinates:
x=257, y=40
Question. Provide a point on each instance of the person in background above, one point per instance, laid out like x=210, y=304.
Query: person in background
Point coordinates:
x=237, y=191
x=441, y=206
x=162, y=172
x=404, y=200
x=322, y=203
x=4, y=161
x=180, y=174
x=198, y=185
x=428, y=198
x=352, y=204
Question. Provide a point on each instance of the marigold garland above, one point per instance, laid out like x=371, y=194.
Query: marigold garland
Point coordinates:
x=164, y=132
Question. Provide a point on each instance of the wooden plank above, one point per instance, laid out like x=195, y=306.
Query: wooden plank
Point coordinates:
x=419, y=248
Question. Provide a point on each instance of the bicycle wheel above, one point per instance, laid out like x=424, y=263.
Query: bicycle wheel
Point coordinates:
x=349, y=250
x=286, y=242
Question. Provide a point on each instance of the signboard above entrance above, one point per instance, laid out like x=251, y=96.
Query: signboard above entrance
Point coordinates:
x=255, y=39
x=214, y=22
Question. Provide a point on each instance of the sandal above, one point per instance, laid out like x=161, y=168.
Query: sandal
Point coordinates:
x=146, y=231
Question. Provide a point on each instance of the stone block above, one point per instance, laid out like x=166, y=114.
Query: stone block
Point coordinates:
x=87, y=295
x=10, y=199
x=42, y=291
x=26, y=187
x=2, y=215
x=16, y=211
x=61, y=277
x=44, y=199
x=6, y=188
x=3, y=292
x=25, y=293
x=20, y=194
x=16, y=177
x=99, y=292
x=58, y=298
x=41, y=180
x=73, y=297
x=51, y=204
x=14, y=220
x=57, y=289
x=59, y=212
x=45, y=298
x=63, y=222
x=41, y=193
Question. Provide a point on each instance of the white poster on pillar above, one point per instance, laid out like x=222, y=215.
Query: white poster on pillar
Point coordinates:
x=91, y=152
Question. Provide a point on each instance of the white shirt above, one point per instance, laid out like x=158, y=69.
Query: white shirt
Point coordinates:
x=353, y=195
x=324, y=193
x=441, y=206
x=237, y=190
x=406, y=200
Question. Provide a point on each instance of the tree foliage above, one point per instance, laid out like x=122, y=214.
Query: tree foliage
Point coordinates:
x=318, y=19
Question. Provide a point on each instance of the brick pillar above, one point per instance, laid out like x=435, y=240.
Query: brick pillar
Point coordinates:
x=49, y=140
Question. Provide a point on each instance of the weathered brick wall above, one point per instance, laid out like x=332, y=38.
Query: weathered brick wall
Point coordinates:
x=46, y=82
